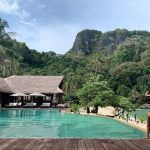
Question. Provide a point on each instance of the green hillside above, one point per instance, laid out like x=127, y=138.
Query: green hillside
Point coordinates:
x=100, y=68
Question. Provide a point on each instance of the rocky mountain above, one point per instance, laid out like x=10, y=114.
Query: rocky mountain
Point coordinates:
x=90, y=41
x=120, y=57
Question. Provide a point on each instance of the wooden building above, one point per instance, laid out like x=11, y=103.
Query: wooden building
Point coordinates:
x=47, y=85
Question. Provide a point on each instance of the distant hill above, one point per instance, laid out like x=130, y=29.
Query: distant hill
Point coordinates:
x=120, y=57
x=90, y=41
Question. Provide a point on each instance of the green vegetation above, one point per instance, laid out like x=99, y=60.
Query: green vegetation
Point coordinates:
x=141, y=118
x=75, y=108
x=101, y=69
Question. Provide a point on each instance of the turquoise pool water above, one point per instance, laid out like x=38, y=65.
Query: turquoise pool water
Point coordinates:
x=140, y=113
x=54, y=124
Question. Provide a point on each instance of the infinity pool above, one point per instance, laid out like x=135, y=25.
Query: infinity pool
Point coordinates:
x=27, y=123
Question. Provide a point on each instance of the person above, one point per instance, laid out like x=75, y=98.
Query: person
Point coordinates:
x=88, y=110
x=127, y=115
x=135, y=117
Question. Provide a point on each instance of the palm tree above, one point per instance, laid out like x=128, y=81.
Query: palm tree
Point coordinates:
x=3, y=34
x=8, y=68
x=3, y=25
x=96, y=63
x=72, y=83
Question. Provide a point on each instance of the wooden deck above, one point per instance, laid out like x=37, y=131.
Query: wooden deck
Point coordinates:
x=74, y=144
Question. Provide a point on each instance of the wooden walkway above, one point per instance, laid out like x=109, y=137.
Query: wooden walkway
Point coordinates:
x=73, y=144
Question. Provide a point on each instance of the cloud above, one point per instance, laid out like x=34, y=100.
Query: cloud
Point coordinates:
x=9, y=7
x=30, y=22
x=53, y=24
x=12, y=7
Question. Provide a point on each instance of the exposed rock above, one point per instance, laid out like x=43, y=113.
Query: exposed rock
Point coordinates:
x=85, y=41
x=107, y=111
x=89, y=41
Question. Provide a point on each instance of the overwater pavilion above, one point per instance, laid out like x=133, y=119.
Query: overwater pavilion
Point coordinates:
x=50, y=86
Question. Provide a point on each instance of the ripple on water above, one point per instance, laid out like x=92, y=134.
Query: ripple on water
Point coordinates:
x=53, y=124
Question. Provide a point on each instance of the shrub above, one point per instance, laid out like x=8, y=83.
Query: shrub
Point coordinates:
x=75, y=108
x=141, y=118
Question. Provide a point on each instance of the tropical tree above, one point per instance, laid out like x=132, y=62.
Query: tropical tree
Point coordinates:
x=125, y=104
x=105, y=98
x=94, y=93
x=3, y=34
x=72, y=83
x=3, y=25
x=96, y=63
x=9, y=67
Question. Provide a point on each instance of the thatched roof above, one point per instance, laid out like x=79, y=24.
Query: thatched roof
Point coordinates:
x=4, y=86
x=31, y=84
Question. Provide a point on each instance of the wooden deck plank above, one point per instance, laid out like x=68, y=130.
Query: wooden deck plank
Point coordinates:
x=64, y=144
x=56, y=144
x=11, y=143
x=107, y=146
x=38, y=144
x=3, y=141
x=14, y=146
x=74, y=144
x=89, y=144
x=140, y=143
x=123, y=145
x=30, y=144
x=20, y=144
x=118, y=145
x=146, y=143
x=132, y=146
x=81, y=145
x=47, y=144
x=6, y=143
x=98, y=145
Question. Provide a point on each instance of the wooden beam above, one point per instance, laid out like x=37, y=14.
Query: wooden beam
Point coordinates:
x=148, y=125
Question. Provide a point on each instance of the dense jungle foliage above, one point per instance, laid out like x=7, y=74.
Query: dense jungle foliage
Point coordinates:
x=111, y=68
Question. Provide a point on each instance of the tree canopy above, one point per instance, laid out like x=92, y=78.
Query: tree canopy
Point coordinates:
x=111, y=68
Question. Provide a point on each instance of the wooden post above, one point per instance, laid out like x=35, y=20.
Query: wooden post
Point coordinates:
x=148, y=125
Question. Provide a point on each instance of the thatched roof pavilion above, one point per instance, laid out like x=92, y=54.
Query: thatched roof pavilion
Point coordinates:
x=49, y=86
x=31, y=84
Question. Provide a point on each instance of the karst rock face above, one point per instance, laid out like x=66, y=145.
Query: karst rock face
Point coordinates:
x=85, y=41
x=89, y=41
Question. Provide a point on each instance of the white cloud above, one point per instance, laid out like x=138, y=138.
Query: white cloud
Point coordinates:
x=29, y=23
x=9, y=7
x=12, y=7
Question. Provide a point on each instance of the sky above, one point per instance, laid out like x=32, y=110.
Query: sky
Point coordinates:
x=52, y=25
